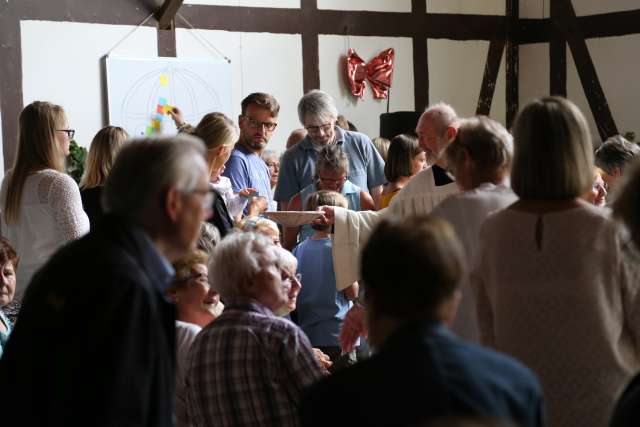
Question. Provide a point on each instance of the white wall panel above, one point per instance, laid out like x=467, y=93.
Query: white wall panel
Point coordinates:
x=261, y=63
x=455, y=76
x=372, y=5
x=533, y=72
x=333, y=78
x=475, y=7
x=61, y=63
x=250, y=3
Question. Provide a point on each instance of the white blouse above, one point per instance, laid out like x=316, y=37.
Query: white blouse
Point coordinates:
x=51, y=215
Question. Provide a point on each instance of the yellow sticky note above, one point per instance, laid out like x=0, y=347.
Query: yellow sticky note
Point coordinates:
x=167, y=108
x=164, y=80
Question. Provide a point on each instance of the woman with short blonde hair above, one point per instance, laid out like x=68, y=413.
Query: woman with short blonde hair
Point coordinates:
x=102, y=152
x=41, y=206
x=554, y=285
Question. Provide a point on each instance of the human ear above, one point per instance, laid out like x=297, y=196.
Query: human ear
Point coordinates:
x=173, y=203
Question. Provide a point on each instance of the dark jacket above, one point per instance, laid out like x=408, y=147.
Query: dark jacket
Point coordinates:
x=220, y=217
x=94, y=344
x=91, y=204
x=424, y=372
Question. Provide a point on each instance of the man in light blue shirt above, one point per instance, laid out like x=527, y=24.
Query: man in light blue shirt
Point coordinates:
x=317, y=113
x=245, y=168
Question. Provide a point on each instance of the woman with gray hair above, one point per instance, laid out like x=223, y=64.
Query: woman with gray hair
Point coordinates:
x=332, y=170
x=480, y=158
x=318, y=113
x=248, y=357
x=553, y=285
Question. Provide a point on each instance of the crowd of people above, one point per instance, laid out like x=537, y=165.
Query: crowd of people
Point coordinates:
x=459, y=275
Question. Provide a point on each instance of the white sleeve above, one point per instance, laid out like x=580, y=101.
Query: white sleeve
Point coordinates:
x=66, y=205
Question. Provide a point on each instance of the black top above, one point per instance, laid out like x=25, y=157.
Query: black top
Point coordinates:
x=440, y=176
x=91, y=204
x=95, y=341
x=220, y=218
x=421, y=373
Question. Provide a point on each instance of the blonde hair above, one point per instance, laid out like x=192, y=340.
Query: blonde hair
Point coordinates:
x=182, y=267
x=553, y=155
x=216, y=130
x=104, y=147
x=37, y=150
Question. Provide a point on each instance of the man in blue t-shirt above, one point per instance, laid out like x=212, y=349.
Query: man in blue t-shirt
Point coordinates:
x=245, y=168
x=318, y=113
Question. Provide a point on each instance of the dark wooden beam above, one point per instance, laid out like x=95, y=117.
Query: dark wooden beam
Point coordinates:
x=612, y=24
x=10, y=85
x=491, y=69
x=512, y=61
x=557, y=51
x=167, y=43
x=420, y=61
x=587, y=71
x=167, y=13
x=310, y=47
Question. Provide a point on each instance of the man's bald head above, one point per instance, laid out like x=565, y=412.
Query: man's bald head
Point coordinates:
x=436, y=128
x=296, y=136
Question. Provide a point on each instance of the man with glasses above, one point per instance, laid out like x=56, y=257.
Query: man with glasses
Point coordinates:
x=257, y=122
x=318, y=114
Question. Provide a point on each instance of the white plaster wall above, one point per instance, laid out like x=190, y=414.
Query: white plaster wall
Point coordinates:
x=534, y=9
x=479, y=7
x=533, y=72
x=618, y=68
x=1, y=150
x=456, y=69
x=61, y=63
x=261, y=62
x=251, y=3
x=540, y=8
x=372, y=5
x=365, y=113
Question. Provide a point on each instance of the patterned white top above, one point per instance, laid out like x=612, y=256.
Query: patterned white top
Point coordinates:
x=50, y=215
x=561, y=292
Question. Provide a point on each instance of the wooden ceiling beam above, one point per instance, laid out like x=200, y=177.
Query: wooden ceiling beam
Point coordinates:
x=167, y=13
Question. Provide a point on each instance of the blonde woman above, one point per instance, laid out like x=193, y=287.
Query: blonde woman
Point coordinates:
x=103, y=150
x=41, y=205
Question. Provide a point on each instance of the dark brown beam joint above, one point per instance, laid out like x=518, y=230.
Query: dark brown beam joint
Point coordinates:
x=512, y=61
x=167, y=13
x=491, y=69
x=557, y=52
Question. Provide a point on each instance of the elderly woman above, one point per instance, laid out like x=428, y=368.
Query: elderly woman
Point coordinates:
x=8, y=265
x=480, y=158
x=332, y=169
x=196, y=306
x=554, y=287
x=318, y=113
x=272, y=159
x=249, y=356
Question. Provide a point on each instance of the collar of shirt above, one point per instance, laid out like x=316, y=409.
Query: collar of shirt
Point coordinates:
x=159, y=266
x=306, y=143
x=247, y=304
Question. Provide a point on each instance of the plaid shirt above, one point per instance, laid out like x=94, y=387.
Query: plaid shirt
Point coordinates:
x=248, y=368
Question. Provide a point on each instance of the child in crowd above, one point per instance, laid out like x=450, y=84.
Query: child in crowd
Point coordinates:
x=321, y=307
x=405, y=159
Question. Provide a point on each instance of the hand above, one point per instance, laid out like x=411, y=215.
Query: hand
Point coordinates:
x=257, y=205
x=176, y=115
x=323, y=359
x=247, y=193
x=327, y=218
x=353, y=328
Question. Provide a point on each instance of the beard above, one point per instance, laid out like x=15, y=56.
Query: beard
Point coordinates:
x=255, y=144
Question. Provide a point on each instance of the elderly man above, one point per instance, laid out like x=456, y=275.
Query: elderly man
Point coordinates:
x=257, y=121
x=249, y=367
x=95, y=344
x=318, y=114
x=612, y=156
x=411, y=268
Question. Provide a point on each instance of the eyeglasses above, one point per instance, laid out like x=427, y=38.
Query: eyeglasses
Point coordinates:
x=274, y=165
x=297, y=277
x=257, y=124
x=196, y=276
x=331, y=180
x=70, y=132
x=208, y=196
x=325, y=128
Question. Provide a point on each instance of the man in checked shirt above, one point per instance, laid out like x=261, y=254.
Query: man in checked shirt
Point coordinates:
x=249, y=367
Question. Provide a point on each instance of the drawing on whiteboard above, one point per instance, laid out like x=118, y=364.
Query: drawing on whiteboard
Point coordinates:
x=142, y=92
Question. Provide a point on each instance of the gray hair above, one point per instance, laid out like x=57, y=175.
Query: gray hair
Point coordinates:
x=144, y=170
x=332, y=157
x=269, y=154
x=209, y=237
x=442, y=116
x=286, y=259
x=237, y=260
x=553, y=155
x=615, y=152
x=317, y=104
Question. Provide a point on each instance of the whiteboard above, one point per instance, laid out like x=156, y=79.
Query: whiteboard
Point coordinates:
x=140, y=91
